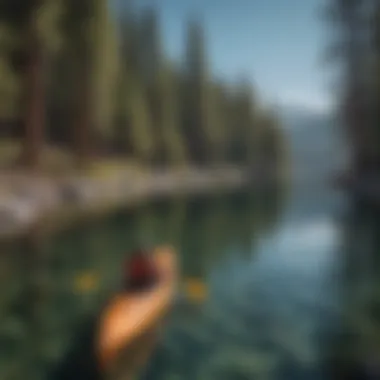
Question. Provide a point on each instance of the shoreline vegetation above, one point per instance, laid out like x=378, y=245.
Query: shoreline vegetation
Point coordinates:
x=82, y=83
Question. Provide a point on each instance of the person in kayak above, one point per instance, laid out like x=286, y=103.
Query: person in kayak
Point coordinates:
x=139, y=275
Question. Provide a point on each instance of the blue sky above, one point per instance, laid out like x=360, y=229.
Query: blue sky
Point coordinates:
x=277, y=43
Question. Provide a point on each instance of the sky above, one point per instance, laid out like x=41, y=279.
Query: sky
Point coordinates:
x=278, y=44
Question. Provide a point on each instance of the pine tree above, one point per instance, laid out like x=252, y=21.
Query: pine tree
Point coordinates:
x=219, y=120
x=375, y=73
x=106, y=70
x=194, y=94
x=134, y=117
x=153, y=77
x=33, y=26
x=161, y=88
x=140, y=123
x=80, y=32
x=9, y=89
x=91, y=39
x=350, y=19
x=174, y=152
x=128, y=68
x=245, y=127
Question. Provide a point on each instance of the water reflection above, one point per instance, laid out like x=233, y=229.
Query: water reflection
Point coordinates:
x=356, y=342
x=15, y=329
x=273, y=298
x=49, y=287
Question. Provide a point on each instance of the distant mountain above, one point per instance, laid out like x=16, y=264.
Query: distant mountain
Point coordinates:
x=316, y=142
x=300, y=116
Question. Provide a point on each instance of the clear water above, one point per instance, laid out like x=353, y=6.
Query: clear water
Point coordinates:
x=272, y=263
x=276, y=295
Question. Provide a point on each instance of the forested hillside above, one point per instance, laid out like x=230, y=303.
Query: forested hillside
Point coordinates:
x=75, y=77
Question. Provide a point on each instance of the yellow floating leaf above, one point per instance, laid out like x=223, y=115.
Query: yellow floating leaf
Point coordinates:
x=195, y=289
x=86, y=282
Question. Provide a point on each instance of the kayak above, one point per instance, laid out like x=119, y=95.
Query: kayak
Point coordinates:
x=129, y=325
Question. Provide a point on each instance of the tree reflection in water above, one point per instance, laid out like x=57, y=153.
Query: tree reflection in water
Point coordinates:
x=14, y=327
x=216, y=232
x=357, y=342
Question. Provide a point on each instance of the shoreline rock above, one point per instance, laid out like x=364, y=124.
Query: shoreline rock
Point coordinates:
x=28, y=202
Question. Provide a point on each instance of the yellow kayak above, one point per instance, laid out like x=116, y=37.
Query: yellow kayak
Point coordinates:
x=130, y=322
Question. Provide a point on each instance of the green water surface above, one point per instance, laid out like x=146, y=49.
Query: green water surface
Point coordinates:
x=279, y=271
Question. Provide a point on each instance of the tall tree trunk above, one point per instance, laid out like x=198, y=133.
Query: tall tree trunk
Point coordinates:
x=35, y=98
x=83, y=125
x=358, y=118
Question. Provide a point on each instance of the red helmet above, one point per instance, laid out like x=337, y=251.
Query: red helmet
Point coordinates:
x=139, y=267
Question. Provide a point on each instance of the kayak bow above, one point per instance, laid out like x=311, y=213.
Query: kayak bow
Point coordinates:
x=130, y=323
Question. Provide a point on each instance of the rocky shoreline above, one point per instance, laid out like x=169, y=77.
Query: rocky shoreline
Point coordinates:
x=42, y=205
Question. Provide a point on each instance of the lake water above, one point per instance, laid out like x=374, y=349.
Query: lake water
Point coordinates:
x=285, y=273
x=275, y=280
